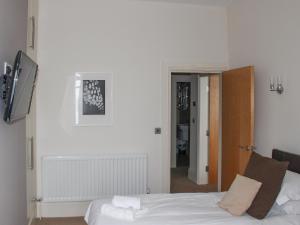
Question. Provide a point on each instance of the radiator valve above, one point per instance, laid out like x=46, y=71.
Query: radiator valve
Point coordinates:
x=36, y=199
x=148, y=191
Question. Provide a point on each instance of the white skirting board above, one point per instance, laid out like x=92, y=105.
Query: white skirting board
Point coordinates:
x=62, y=209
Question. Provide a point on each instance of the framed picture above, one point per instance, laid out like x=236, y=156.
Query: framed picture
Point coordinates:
x=93, y=99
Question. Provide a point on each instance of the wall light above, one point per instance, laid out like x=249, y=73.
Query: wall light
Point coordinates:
x=278, y=86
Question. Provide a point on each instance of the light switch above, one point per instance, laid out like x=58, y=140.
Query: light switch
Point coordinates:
x=157, y=130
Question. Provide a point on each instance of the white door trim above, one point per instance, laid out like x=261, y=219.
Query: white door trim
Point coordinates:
x=203, y=126
x=167, y=70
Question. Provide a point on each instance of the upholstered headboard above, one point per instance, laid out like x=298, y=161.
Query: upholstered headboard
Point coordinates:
x=290, y=157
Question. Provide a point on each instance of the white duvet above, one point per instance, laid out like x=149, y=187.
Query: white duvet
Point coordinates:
x=183, y=209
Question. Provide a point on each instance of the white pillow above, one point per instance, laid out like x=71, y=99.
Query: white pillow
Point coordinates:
x=290, y=189
x=292, y=207
x=276, y=210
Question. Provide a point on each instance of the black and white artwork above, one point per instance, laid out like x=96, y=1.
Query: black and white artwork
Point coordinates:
x=93, y=92
x=93, y=97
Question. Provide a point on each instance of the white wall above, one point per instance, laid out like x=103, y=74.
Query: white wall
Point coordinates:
x=13, y=14
x=266, y=33
x=131, y=39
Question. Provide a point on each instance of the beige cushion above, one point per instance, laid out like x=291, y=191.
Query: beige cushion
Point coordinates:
x=240, y=195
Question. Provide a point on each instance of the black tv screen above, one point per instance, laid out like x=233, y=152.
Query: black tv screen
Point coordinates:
x=20, y=88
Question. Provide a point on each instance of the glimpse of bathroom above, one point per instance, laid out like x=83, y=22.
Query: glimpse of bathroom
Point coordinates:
x=190, y=131
x=183, y=90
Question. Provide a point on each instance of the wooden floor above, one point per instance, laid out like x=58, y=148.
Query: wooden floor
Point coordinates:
x=181, y=184
x=60, y=221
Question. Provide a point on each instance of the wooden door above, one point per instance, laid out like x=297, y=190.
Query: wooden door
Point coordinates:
x=214, y=126
x=237, y=122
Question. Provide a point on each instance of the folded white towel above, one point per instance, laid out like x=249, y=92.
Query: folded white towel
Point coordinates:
x=117, y=212
x=126, y=202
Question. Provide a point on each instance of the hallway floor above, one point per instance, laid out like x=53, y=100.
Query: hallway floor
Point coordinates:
x=181, y=184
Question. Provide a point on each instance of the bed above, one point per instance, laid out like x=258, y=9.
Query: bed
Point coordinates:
x=193, y=208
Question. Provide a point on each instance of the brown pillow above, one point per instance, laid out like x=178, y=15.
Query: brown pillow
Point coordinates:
x=270, y=173
x=240, y=195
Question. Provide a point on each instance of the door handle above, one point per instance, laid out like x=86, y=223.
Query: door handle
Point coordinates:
x=251, y=148
x=247, y=147
x=30, y=156
x=32, y=44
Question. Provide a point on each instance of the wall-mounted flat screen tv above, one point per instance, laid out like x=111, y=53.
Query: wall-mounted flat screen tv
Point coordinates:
x=20, y=86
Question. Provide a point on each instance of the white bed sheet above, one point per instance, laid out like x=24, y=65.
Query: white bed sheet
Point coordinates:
x=183, y=209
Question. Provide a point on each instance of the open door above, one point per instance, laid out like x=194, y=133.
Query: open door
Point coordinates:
x=237, y=122
x=214, y=115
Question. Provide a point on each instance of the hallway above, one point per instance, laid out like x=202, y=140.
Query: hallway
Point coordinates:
x=181, y=184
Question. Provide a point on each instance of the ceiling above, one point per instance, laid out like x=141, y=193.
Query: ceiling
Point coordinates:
x=200, y=2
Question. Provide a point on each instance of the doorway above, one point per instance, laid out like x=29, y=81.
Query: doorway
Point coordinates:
x=231, y=122
x=192, y=149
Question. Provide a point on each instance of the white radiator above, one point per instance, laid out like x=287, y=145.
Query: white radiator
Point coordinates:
x=88, y=178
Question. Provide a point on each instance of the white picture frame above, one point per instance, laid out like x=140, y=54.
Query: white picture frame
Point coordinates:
x=93, y=99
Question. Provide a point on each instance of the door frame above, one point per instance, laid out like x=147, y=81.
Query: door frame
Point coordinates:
x=167, y=70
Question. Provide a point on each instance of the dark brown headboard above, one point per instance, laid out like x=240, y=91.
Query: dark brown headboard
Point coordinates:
x=286, y=156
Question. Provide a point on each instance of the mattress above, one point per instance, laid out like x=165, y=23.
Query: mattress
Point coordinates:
x=183, y=209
